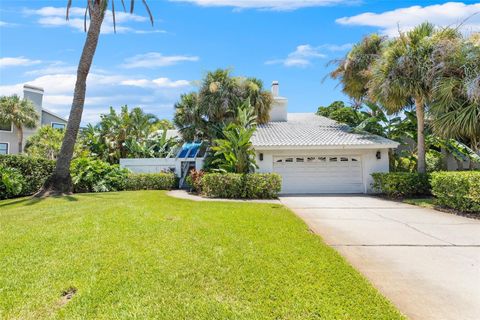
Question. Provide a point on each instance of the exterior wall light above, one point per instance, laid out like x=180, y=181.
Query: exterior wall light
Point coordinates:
x=379, y=155
x=261, y=156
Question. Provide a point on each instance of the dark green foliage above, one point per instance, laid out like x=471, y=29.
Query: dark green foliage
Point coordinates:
x=236, y=186
x=90, y=175
x=338, y=111
x=401, y=184
x=262, y=185
x=151, y=181
x=457, y=190
x=11, y=183
x=33, y=170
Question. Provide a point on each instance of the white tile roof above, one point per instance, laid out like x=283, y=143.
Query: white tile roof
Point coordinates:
x=310, y=130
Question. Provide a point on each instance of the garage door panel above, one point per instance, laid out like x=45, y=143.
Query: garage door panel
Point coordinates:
x=320, y=174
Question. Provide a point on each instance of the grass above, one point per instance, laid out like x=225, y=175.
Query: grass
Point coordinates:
x=421, y=202
x=145, y=255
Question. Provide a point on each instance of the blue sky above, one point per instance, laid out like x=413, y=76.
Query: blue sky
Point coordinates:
x=286, y=40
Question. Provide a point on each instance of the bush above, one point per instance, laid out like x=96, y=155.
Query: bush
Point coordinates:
x=33, y=170
x=11, y=183
x=401, y=184
x=90, y=175
x=262, y=185
x=236, y=186
x=194, y=180
x=151, y=181
x=457, y=190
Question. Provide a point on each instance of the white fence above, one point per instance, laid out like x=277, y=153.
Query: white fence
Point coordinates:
x=155, y=165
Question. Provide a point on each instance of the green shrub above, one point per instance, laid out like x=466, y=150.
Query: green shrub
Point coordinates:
x=434, y=161
x=33, y=170
x=90, y=175
x=194, y=180
x=236, y=186
x=457, y=190
x=151, y=181
x=11, y=183
x=223, y=185
x=401, y=184
x=262, y=185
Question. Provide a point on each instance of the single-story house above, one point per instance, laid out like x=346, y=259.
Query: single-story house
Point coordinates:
x=8, y=132
x=313, y=154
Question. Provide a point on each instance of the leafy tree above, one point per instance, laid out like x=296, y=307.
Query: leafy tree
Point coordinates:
x=110, y=138
x=234, y=152
x=61, y=181
x=338, y=111
x=21, y=113
x=157, y=145
x=203, y=115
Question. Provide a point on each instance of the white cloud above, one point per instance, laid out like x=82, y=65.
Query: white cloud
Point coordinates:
x=267, y=4
x=55, y=17
x=103, y=90
x=155, y=59
x=17, y=62
x=304, y=54
x=156, y=83
x=447, y=14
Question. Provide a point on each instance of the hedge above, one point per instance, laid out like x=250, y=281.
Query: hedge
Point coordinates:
x=11, y=183
x=151, y=181
x=237, y=186
x=401, y=184
x=457, y=190
x=33, y=170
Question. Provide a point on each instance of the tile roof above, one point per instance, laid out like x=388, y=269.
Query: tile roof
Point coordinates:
x=309, y=129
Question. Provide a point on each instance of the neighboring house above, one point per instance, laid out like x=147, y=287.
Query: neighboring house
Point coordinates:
x=313, y=154
x=8, y=133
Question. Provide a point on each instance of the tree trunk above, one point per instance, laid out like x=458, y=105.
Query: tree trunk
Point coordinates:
x=20, y=139
x=420, y=111
x=61, y=182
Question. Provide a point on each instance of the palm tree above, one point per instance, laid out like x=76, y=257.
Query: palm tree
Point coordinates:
x=456, y=107
x=403, y=73
x=61, y=182
x=21, y=113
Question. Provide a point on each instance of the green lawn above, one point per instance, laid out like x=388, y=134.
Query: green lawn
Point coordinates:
x=145, y=255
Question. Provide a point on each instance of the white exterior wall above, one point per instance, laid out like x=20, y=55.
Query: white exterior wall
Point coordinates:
x=370, y=163
x=152, y=165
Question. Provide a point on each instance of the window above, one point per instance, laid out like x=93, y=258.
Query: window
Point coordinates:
x=56, y=125
x=6, y=126
x=279, y=160
x=300, y=160
x=3, y=148
x=322, y=159
x=354, y=159
x=343, y=159
x=332, y=159
x=310, y=159
x=289, y=160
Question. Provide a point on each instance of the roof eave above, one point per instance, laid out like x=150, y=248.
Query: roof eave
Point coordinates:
x=327, y=147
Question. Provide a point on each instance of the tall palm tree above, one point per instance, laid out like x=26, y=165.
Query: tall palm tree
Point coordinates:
x=61, y=182
x=403, y=74
x=21, y=113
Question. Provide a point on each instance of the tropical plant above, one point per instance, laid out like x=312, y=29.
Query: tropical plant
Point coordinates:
x=21, y=113
x=157, y=145
x=234, y=152
x=203, y=116
x=46, y=143
x=456, y=107
x=11, y=182
x=61, y=182
x=118, y=134
x=402, y=74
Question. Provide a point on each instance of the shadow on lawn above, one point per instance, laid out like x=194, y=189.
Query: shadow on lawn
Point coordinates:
x=30, y=201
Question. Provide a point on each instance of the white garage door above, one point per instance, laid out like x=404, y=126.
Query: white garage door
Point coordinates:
x=320, y=174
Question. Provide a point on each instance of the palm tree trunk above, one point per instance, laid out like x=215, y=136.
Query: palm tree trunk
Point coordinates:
x=61, y=182
x=20, y=139
x=420, y=111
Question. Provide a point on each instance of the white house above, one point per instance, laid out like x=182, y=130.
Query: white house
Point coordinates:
x=8, y=132
x=313, y=154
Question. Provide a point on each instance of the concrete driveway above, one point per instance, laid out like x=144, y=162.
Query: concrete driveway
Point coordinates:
x=425, y=261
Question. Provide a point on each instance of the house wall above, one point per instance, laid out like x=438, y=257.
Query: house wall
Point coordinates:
x=150, y=165
x=370, y=163
x=48, y=118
